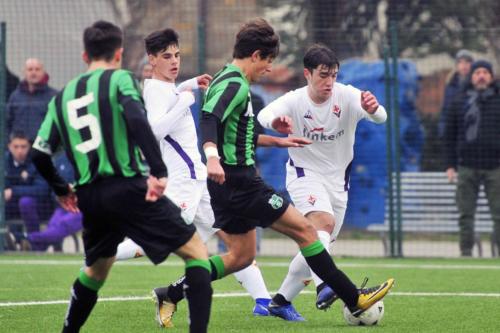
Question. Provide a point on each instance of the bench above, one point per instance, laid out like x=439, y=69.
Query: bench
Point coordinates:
x=428, y=206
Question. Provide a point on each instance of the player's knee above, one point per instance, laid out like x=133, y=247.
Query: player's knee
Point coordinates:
x=244, y=260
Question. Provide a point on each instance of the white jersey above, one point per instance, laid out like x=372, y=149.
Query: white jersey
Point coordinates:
x=173, y=126
x=331, y=126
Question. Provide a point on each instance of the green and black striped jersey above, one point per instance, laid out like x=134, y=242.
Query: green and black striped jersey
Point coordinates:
x=228, y=98
x=86, y=117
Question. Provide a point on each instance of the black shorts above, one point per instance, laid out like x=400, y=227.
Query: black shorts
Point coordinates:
x=244, y=201
x=115, y=207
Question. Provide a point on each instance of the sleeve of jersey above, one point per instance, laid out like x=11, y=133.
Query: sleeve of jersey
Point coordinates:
x=162, y=113
x=48, y=138
x=138, y=126
x=46, y=143
x=355, y=104
x=277, y=108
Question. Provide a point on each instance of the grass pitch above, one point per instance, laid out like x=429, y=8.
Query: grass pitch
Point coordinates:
x=431, y=295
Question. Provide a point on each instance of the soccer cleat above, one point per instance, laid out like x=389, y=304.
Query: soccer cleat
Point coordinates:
x=325, y=298
x=286, y=312
x=370, y=296
x=261, y=307
x=165, y=309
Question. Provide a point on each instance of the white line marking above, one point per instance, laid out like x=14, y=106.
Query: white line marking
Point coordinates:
x=261, y=264
x=240, y=294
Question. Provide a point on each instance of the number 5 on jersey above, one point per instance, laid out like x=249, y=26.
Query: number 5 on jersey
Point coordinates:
x=85, y=120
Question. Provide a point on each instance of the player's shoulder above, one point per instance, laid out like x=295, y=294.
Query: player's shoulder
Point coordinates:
x=346, y=89
x=296, y=94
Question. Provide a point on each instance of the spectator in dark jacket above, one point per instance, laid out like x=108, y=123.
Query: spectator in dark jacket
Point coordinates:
x=457, y=82
x=27, y=105
x=11, y=80
x=25, y=190
x=472, y=140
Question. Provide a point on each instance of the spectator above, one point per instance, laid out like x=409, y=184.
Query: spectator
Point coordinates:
x=62, y=223
x=25, y=191
x=456, y=83
x=146, y=73
x=472, y=140
x=27, y=105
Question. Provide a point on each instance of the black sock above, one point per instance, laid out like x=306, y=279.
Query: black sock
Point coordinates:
x=324, y=267
x=81, y=304
x=176, y=290
x=199, y=296
x=280, y=300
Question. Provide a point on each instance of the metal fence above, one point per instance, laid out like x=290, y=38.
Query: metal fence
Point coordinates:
x=403, y=51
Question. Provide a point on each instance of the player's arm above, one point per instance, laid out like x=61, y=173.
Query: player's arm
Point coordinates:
x=46, y=143
x=216, y=109
x=201, y=81
x=366, y=105
x=162, y=113
x=276, y=115
x=285, y=142
x=138, y=126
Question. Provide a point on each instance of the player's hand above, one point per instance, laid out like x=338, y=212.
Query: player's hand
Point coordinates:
x=215, y=171
x=451, y=174
x=156, y=188
x=292, y=141
x=283, y=125
x=203, y=81
x=69, y=201
x=369, y=102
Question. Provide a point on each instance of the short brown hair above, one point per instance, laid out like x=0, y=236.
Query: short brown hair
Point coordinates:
x=101, y=40
x=255, y=35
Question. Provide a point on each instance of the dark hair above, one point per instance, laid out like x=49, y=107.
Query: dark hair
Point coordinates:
x=319, y=54
x=255, y=35
x=159, y=41
x=101, y=40
x=18, y=135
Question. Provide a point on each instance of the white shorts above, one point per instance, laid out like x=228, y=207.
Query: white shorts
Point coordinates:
x=314, y=193
x=192, y=196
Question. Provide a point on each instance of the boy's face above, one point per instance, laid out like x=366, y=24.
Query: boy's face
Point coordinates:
x=321, y=80
x=166, y=64
x=19, y=148
x=261, y=66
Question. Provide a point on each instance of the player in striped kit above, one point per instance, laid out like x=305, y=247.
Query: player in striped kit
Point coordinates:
x=98, y=118
x=173, y=126
x=327, y=113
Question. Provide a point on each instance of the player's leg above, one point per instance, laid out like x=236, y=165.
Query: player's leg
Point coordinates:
x=251, y=279
x=296, y=226
x=84, y=293
x=197, y=279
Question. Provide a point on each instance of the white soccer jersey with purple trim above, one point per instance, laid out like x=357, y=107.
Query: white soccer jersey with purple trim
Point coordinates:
x=331, y=126
x=173, y=125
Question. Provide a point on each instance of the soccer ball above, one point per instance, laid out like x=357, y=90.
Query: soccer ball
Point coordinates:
x=370, y=317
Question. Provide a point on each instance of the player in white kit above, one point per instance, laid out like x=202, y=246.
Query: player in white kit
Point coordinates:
x=326, y=112
x=172, y=123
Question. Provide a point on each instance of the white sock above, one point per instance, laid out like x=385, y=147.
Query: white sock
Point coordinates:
x=324, y=238
x=298, y=277
x=251, y=279
x=128, y=250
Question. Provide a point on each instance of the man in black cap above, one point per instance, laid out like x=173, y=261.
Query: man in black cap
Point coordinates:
x=472, y=141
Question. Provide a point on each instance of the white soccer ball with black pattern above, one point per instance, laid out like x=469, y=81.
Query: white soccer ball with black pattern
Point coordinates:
x=370, y=317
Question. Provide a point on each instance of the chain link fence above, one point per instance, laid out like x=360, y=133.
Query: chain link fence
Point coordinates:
x=402, y=51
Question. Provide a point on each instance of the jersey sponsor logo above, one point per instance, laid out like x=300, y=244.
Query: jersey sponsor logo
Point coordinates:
x=276, y=201
x=249, y=112
x=336, y=111
x=311, y=199
x=308, y=115
x=317, y=134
